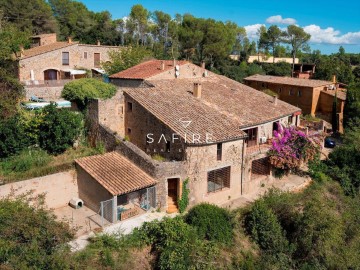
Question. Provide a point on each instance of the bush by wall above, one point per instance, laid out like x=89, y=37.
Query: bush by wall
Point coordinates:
x=183, y=202
x=59, y=129
x=81, y=90
x=211, y=222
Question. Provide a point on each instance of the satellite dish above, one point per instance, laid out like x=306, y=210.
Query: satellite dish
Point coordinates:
x=177, y=68
x=177, y=73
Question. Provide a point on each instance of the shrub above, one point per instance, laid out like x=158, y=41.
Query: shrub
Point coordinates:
x=26, y=160
x=290, y=147
x=13, y=137
x=59, y=129
x=211, y=222
x=31, y=238
x=81, y=90
x=173, y=239
x=264, y=227
x=183, y=202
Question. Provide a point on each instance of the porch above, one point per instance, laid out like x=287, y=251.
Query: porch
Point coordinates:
x=114, y=187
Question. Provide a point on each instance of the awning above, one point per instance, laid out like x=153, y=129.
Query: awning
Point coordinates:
x=75, y=71
x=99, y=70
x=115, y=173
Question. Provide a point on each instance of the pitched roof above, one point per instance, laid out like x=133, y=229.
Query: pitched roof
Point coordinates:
x=287, y=80
x=233, y=100
x=146, y=70
x=225, y=106
x=46, y=48
x=115, y=173
x=174, y=108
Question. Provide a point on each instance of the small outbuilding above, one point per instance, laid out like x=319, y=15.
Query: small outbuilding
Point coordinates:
x=114, y=187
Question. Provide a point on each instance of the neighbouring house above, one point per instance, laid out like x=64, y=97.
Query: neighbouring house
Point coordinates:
x=176, y=121
x=304, y=71
x=49, y=64
x=262, y=58
x=314, y=97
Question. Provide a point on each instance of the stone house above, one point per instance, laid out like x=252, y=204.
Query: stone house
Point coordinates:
x=49, y=64
x=314, y=97
x=177, y=121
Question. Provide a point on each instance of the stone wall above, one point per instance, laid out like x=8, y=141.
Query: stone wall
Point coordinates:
x=160, y=171
x=108, y=112
x=149, y=134
x=58, y=188
x=48, y=93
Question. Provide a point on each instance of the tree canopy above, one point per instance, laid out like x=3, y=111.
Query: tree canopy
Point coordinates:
x=81, y=90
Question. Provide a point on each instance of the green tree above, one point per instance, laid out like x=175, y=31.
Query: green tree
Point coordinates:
x=298, y=39
x=271, y=38
x=138, y=23
x=59, y=129
x=31, y=237
x=81, y=90
x=211, y=222
x=265, y=229
x=13, y=136
x=74, y=18
x=30, y=16
x=125, y=58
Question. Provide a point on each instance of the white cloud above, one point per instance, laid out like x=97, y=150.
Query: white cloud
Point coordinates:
x=278, y=19
x=331, y=36
x=252, y=30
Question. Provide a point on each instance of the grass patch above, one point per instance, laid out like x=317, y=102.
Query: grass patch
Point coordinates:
x=158, y=157
x=310, y=118
x=32, y=163
x=270, y=93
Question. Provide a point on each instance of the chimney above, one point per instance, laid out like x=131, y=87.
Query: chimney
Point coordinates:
x=162, y=65
x=203, y=65
x=334, y=78
x=197, y=90
x=98, y=42
x=275, y=100
x=69, y=40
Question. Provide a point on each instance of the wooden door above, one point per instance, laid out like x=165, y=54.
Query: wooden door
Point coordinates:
x=252, y=137
x=96, y=59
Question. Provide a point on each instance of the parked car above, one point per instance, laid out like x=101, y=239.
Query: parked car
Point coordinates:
x=330, y=142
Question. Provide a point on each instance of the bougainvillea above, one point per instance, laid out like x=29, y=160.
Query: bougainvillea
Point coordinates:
x=290, y=147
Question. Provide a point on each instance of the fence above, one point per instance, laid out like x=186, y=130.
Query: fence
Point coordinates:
x=106, y=211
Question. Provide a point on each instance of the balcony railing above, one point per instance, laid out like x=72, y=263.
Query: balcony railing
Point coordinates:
x=46, y=83
x=259, y=148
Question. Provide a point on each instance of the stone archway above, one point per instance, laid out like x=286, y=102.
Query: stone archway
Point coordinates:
x=50, y=75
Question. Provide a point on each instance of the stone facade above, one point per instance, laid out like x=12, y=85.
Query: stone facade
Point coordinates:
x=80, y=56
x=109, y=112
x=45, y=92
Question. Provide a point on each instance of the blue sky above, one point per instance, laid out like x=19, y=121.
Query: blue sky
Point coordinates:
x=331, y=23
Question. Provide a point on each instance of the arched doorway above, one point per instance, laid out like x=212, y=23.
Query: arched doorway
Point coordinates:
x=50, y=74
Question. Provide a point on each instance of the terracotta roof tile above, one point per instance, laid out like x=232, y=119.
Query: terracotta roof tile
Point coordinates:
x=230, y=99
x=46, y=48
x=173, y=107
x=146, y=70
x=115, y=173
x=287, y=80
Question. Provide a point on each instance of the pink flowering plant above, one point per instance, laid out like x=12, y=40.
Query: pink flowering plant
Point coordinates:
x=290, y=147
